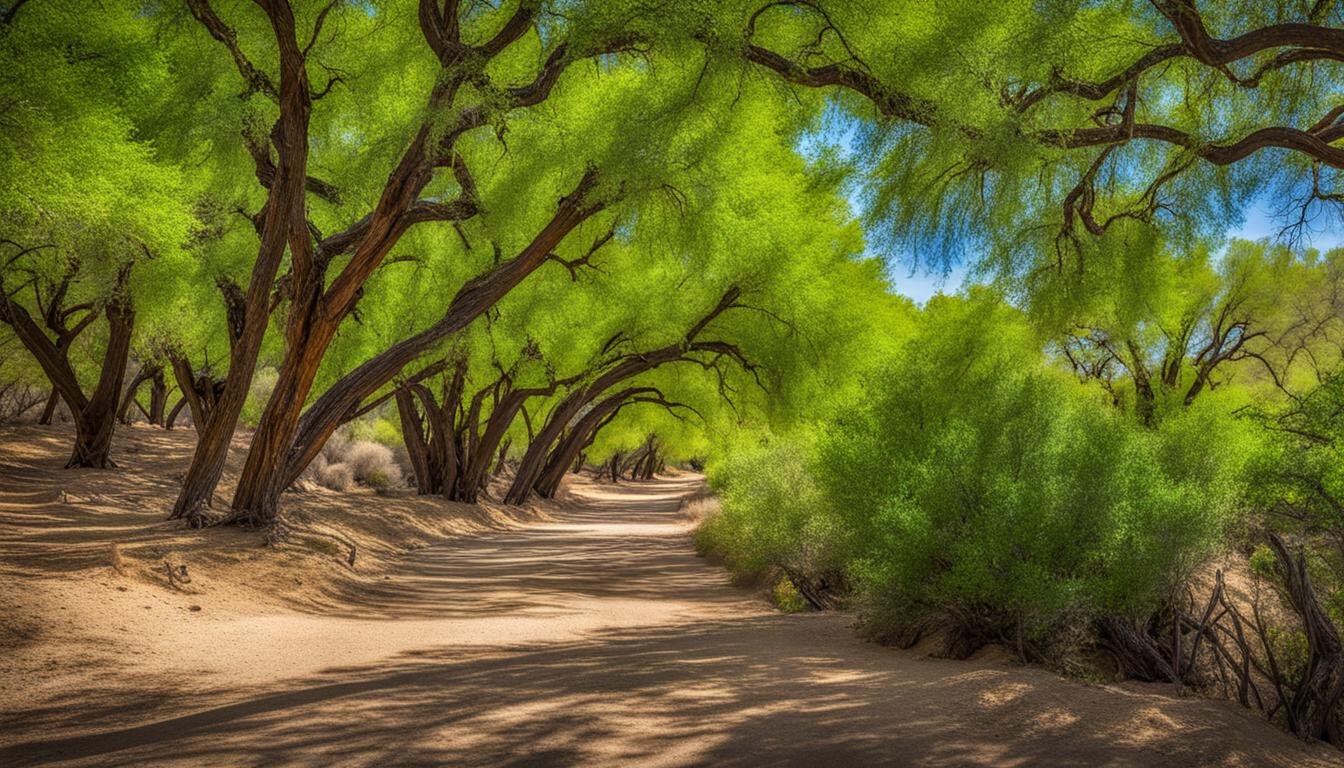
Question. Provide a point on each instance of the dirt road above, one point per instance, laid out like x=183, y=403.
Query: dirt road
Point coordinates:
x=598, y=638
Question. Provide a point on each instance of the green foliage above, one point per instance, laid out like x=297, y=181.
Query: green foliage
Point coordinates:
x=773, y=512
x=787, y=598
x=979, y=486
x=1299, y=483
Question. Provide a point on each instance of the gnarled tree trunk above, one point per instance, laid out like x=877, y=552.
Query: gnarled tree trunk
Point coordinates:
x=97, y=418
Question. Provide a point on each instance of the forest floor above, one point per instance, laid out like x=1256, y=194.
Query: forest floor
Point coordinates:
x=579, y=633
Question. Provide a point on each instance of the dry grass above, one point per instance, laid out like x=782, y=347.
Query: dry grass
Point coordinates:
x=699, y=506
x=344, y=463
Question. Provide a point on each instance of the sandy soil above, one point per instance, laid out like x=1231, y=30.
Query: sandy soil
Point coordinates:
x=590, y=634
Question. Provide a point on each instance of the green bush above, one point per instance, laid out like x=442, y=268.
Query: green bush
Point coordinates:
x=771, y=513
x=982, y=489
x=787, y=598
x=1298, y=485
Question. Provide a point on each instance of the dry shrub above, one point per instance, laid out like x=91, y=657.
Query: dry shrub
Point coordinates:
x=696, y=508
x=335, y=448
x=311, y=479
x=20, y=403
x=337, y=477
x=372, y=464
x=343, y=462
x=115, y=559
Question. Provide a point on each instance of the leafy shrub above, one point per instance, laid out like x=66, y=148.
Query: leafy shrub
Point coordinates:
x=769, y=513
x=980, y=489
x=787, y=598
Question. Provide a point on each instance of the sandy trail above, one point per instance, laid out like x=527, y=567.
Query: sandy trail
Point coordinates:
x=596, y=638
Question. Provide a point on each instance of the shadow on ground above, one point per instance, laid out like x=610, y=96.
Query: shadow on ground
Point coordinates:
x=763, y=690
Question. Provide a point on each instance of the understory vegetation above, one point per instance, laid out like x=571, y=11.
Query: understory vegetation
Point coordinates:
x=467, y=249
x=985, y=485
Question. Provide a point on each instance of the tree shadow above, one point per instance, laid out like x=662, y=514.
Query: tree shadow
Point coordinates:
x=762, y=690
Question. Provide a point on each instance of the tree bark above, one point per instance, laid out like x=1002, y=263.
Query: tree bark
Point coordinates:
x=413, y=435
x=285, y=225
x=49, y=410
x=124, y=412
x=95, y=422
x=503, y=459
x=158, y=397
x=171, y=419
x=582, y=435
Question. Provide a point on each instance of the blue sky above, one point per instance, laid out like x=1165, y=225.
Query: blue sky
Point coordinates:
x=1261, y=222
x=1262, y=218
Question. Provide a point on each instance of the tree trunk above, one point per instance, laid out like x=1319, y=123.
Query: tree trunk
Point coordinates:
x=158, y=394
x=284, y=228
x=502, y=461
x=256, y=500
x=158, y=397
x=649, y=465
x=95, y=422
x=413, y=435
x=476, y=474
x=171, y=419
x=580, y=437
x=533, y=462
x=95, y=417
x=49, y=410
x=124, y=412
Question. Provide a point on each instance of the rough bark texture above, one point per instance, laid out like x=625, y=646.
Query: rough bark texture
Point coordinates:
x=284, y=224
x=49, y=410
x=96, y=419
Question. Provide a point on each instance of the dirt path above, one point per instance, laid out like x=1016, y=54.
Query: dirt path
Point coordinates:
x=598, y=638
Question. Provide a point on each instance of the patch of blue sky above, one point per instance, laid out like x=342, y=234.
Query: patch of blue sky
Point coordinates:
x=917, y=269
